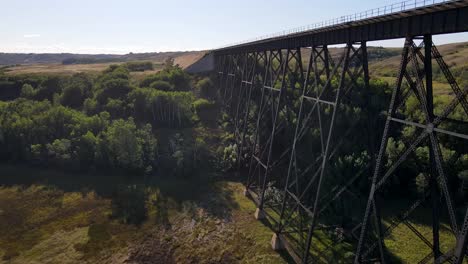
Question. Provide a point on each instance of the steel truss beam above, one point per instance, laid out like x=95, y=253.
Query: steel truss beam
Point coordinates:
x=311, y=190
x=293, y=143
x=248, y=98
x=416, y=69
x=273, y=118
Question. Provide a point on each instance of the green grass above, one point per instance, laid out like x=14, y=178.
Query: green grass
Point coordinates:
x=53, y=217
x=48, y=221
x=403, y=244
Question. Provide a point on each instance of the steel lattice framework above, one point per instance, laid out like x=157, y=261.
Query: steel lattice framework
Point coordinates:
x=295, y=106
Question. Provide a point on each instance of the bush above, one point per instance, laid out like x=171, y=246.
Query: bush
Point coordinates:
x=174, y=75
x=52, y=85
x=113, y=89
x=127, y=147
x=162, y=86
x=27, y=91
x=139, y=66
x=162, y=109
x=205, y=110
x=229, y=157
x=72, y=96
x=207, y=89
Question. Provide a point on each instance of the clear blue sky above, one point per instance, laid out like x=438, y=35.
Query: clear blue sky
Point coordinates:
x=122, y=26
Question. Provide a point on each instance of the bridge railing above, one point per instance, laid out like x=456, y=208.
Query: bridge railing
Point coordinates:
x=375, y=12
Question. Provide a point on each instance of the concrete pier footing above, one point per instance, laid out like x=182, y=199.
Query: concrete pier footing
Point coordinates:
x=259, y=214
x=276, y=243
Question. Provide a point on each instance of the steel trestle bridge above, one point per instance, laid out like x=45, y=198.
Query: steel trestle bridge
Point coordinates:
x=289, y=97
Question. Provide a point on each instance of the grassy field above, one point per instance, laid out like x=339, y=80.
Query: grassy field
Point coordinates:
x=183, y=60
x=53, y=217
x=403, y=245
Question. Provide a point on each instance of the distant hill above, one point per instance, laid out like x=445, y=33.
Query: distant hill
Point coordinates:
x=13, y=64
x=69, y=58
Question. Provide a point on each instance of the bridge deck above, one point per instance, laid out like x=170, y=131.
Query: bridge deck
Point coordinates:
x=444, y=18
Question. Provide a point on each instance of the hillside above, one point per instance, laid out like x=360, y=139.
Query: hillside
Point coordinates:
x=14, y=63
x=48, y=58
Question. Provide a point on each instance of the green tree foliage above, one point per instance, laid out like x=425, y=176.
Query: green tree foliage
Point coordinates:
x=139, y=66
x=174, y=75
x=114, y=83
x=87, y=147
x=162, y=109
x=50, y=86
x=207, y=89
x=48, y=134
x=129, y=148
x=27, y=91
x=72, y=96
x=76, y=89
x=162, y=86
x=83, y=122
x=116, y=108
x=205, y=110
x=90, y=106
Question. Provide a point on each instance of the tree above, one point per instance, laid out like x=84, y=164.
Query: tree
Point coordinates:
x=48, y=88
x=90, y=106
x=206, y=88
x=139, y=65
x=127, y=147
x=162, y=86
x=87, y=147
x=174, y=75
x=60, y=150
x=115, y=107
x=113, y=88
x=169, y=63
x=27, y=91
x=72, y=96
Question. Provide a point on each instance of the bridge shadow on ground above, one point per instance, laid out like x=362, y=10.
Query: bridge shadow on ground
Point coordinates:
x=132, y=196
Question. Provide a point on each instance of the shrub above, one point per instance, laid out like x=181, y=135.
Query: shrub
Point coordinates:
x=162, y=86
x=27, y=91
x=139, y=66
x=206, y=88
x=205, y=110
x=72, y=96
x=203, y=105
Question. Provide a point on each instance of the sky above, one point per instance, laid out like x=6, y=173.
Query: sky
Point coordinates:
x=123, y=26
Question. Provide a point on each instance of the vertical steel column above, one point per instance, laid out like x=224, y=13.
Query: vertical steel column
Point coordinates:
x=252, y=84
x=462, y=240
x=303, y=201
x=433, y=177
x=325, y=154
x=221, y=67
x=284, y=69
x=420, y=86
x=371, y=149
x=243, y=110
x=273, y=132
x=240, y=94
x=383, y=147
x=268, y=65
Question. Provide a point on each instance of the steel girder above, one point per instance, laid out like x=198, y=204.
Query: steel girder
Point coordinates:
x=272, y=114
x=314, y=191
x=416, y=69
x=293, y=141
